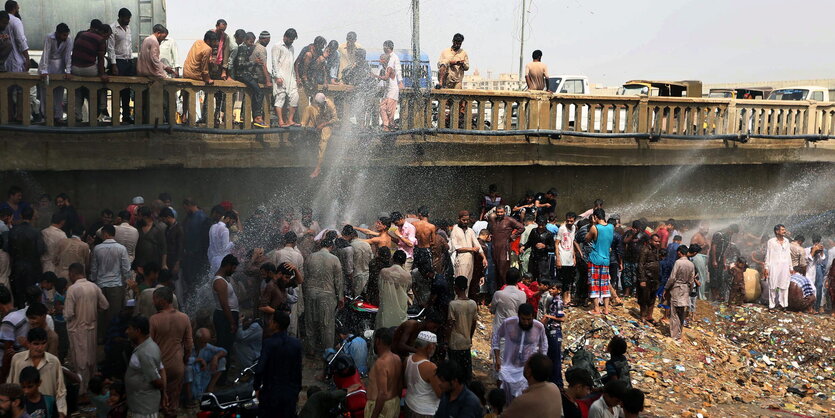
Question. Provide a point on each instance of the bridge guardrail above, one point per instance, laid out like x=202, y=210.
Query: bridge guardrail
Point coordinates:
x=175, y=102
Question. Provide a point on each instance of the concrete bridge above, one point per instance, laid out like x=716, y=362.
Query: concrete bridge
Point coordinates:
x=472, y=131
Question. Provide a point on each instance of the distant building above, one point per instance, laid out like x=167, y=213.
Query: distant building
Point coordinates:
x=505, y=81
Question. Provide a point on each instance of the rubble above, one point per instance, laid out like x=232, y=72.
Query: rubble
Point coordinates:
x=740, y=361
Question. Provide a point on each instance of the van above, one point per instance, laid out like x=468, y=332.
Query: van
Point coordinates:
x=816, y=93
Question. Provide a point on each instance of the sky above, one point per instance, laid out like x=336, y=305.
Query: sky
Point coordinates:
x=610, y=41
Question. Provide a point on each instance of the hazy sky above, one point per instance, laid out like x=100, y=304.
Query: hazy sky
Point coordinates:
x=608, y=40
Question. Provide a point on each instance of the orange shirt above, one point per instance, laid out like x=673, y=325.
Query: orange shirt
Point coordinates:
x=197, y=61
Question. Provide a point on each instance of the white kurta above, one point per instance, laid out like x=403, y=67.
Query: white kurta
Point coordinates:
x=463, y=260
x=778, y=261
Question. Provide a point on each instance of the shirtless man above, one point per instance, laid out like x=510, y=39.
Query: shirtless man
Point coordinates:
x=700, y=237
x=425, y=234
x=406, y=334
x=381, y=237
x=384, y=380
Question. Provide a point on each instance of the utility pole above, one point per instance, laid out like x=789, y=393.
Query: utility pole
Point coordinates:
x=416, y=64
x=522, y=44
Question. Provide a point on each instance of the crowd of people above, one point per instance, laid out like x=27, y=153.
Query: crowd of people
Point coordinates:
x=104, y=50
x=281, y=283
x=69, y=286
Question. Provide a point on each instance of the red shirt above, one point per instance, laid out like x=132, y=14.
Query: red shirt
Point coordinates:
x=530, y=293
x=664, y=235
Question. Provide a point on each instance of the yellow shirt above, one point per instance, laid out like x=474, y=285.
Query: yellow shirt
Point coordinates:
x=197, y=61
x=52, y=377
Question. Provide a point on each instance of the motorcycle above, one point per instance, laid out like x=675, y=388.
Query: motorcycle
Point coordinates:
x=360, y=316
x=238, y=400
x=581, y=358
x=344, y=375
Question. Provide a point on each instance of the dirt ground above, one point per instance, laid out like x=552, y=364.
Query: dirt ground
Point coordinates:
x=733, y=361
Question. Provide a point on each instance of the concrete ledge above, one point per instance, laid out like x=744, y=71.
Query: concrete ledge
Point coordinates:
x=134, y=151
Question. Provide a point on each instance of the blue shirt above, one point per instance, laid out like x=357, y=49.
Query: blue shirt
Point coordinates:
x=602, y=245
x=196, y=232
x=357, y=348
x=280, y=367
x=15, y=213
x=466, y=405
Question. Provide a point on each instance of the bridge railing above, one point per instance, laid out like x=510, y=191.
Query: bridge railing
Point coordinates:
x=174, y=101
x=193, y=103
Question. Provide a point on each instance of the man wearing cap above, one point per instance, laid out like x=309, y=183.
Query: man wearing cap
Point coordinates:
x=422, y=386
x=83, y=301
x=261, y=73
x=135, y=203
x=324, y=293
x=285, y=88
x=322, y=116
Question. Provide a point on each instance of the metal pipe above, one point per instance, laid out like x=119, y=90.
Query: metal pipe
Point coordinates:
x=421, y=131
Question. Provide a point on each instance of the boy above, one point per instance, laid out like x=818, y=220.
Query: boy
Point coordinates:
x=532, y=290
x=47, y=286
x=737, y=271
x=633, y=403
x=36, y=315
x=463, y=313
x=36, y=404
x=497, y=399
x=617, y=367
x=118, y=400
x=579, y=386
x=552, y=316
x=51, y=374
x=608, y=405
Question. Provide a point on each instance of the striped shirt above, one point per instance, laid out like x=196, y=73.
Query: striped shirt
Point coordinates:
x=86, y=49
x=804, y=283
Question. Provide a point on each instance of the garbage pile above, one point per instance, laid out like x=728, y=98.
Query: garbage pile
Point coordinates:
x=733, y=361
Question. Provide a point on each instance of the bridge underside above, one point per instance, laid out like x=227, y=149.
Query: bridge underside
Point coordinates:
x=679, y=179
x=143, y=150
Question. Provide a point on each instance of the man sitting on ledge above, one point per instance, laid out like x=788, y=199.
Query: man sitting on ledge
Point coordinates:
x=196, y=65
x=321, y=114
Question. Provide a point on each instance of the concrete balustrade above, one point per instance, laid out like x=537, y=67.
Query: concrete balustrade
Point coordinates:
x=155, y=102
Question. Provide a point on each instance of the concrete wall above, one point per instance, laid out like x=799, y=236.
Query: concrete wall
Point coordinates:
x=655, y=192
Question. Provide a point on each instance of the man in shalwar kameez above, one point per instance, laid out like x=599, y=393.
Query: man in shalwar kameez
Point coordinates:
x=83, y=303
x=778, y=265
x=463, y=244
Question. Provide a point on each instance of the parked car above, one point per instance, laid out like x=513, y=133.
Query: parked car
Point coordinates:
x=820, y=94
x=740, y=93
x=686, y=88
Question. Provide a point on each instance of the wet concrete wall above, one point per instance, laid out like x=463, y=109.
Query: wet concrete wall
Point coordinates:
x=655, y=192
